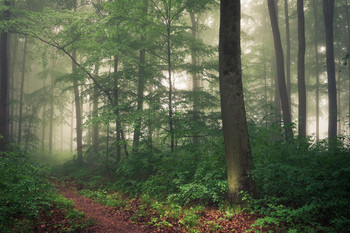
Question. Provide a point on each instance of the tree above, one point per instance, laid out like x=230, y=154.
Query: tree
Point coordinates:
x=301, y=70
x=280, y=71
x=286, y=15
x=317, y=73
x=4, y=78
x=328, y=12
x=236, y=139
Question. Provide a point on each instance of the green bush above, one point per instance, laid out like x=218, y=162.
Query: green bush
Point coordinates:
x=24, y=189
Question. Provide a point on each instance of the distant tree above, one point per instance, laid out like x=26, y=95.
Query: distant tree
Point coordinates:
x=280, y=70
x=286, y=15
x=328, y=12
x=237, y=148
x=317, y=72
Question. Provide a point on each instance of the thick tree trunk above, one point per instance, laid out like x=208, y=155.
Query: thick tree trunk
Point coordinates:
x=4, y=77
x=301, y=70
x=78, y=113
x=286, y=11
x=21, y=93
x=328, y=11
x=280, y=71
x=236, y=139
x=317, y=72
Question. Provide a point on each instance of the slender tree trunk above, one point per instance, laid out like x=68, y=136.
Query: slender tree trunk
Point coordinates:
x=140, y=88
x=95, y=129
x=43, y=118
x=195, y=78
x=328, y=11
x=236, y=139
x=116, y=105
x=78, y=113
x=12, y=84
x=317, y=72
x=20, y=118
x=301, y=70
x=4, y=77
x=286, y=11
x=171, y=126
x=280, y=71
x=71, y=128
x=52, y=110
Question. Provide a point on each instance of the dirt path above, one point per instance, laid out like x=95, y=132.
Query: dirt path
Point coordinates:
x=106, y=218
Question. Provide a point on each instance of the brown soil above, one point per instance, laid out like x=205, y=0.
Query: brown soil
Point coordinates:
x=107, y=219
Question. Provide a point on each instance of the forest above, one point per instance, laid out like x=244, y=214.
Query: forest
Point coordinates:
x=174, y=116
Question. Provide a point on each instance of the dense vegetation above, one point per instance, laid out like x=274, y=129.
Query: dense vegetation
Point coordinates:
x=120, y=101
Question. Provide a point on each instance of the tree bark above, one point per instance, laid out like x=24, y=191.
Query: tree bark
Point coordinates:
x=4, y=73
x=140, y=88
x=43, y=119
x=116, y=105
x=12, y=70
x=286, y=11
x=317, y=72
x=236, y=139
x=328, y=11
x=21, y=93
x=301, y=70
x=78, y=113
x=195, y=78
x=280, y=71
x=52, y=110
x=348, y=50
x=95, y=129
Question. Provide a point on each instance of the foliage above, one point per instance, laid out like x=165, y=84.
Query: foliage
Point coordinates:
x=302, y=184
x=24, y=189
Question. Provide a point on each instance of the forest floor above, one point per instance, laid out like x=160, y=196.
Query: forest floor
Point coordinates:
x=106, y=219
x=112, y=220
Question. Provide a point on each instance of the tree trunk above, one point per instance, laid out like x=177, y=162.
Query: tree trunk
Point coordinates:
x=328, y=11
x=286, y=11
x=4, y=73
x=236, y=139
x=43, y=119
x=301, y=70
x=171, y=126
x=140, y=88
x=280, y=71
x=317, y=72
x=21, y=93
x=71, y=128
x=52, y=110
x=348, y=49
x=95, y=129
x=13, y=56
x=116, y=105
x=195, y=79
x=78, y=113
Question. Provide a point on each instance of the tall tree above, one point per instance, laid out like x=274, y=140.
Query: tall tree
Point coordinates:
x=236, y=139
x=301, y=70
x=348, y=50
x=286, y=16
x=21, y=92
x=4, y=73
x=141, y=82
x=328, y=12
x=317, y=72
x=280, y=70
x=78, y=107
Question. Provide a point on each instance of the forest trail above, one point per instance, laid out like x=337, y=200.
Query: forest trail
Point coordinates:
x=107, y=219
